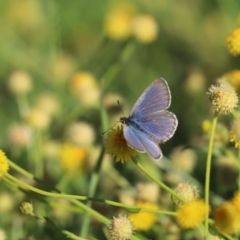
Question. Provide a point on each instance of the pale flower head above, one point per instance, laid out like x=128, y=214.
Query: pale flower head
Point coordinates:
x=145, y=28
x=19, y=82
x=81, y=134
x=6, y=202
x=148, y=192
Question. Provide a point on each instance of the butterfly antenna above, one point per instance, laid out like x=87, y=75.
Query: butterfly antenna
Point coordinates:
x=120, y=108
x=109, y=128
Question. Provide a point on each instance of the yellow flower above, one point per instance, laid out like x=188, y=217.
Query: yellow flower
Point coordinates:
x=223, y=97
x=234, y=133
x=120, y=228
x=145, y=28
x=4, y=167
x=191, y=214
x=233, y=77
x=233, y=42
x=118, y=24
x=226, y=218
x=116, y=145
x=236, y=201
x=144, y=220
x=72, y=157
x=206, y=125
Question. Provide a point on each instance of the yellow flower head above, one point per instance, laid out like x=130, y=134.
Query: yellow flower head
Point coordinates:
x=226, y=218
x=4, y=167
x=236, y=201
x=233, y=42
x=206, y=125
x=233, y=78
x=223, y=97
x=145, y=28
x=191, y=214
x=144, y=220
x=120, y=228
x=234, y=133
x=116, y=145
x=72, y=157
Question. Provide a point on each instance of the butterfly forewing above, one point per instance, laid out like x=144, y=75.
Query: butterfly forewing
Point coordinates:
x=154, y=99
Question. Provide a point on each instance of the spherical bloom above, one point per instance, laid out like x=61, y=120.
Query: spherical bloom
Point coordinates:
x=187, y=191
x=118, y=23
x=72, y=157
x=84, y=87
x=226, y=218
x=81, y=134
x=145, y=29
x=116, y=145
x=37, y=119
x=4, y=167
x=148, y=192
x=183, y=158
x=7, y=202
x=191, y=214
x=236, y=201
x=120, y=228
x=206, y=125
x=19, y=82
x=26, y=208
x=19, y=135
x=195, y=81
x=233, y=42
x=223, y=97
x=48, y=103
x=144, y=220
x=234, y=133
x=233, y=78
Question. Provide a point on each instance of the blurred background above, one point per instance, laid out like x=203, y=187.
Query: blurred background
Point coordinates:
x=60, y=59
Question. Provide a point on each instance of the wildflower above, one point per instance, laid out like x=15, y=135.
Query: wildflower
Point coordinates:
x=195, y=81
x=223, y=97
x=234, y=133
x=81, y=134
x=233, y=42
x=116, y=145
x=19, y=135
x=191, y=214
x=38, y=119
x=84, y=87
x=233, y=78
x=187, y=191
x=26, y=208
x=226, y=219
x=236, y=201
x=4, y=167
x=120, y=228
x=7, y=202
x=206, y=125
x=144, y=220
x=19, y=82
x=72, y=157
x=145, y=28
x=118, y=23
x=183, y=158
x=148, y=192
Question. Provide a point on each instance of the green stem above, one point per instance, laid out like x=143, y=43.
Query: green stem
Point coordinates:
x=161, y=184
x=208, y=169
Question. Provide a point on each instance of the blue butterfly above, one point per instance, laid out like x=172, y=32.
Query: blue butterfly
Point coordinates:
x=149, y=123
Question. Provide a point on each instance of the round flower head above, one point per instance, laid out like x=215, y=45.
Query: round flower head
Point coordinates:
x=233, y=42
x=144, y=220
x=191, y=214
x=236, y=201
x=234, y=133
x=27, y=208
x=145, y=28
x=188, y=192
x=4, y=167
x=226, y=218
x=116, y=145
x=233, y=78
x=148, y=192
x=223, y=97
x=120, y=228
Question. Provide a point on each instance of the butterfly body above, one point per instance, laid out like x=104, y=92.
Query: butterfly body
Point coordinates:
x=149, y=123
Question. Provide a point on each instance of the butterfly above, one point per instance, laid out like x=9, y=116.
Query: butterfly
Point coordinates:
x=149, y=123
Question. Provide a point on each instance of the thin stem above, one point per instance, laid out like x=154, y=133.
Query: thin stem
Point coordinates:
x=208, y=169
x=161, y=184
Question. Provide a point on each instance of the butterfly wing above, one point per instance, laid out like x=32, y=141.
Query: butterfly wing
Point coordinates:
x=155, y=98
x=140, y=141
